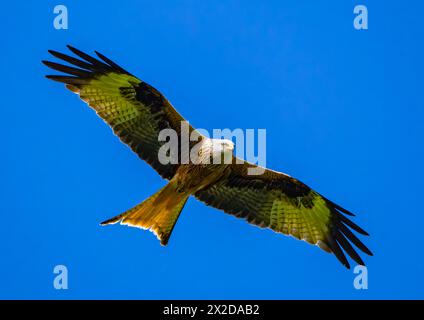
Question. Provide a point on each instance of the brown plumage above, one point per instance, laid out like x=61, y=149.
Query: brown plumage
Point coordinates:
x=137, y=113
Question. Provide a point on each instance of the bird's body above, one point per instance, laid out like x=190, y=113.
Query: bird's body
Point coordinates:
x=208, y=169
x=160, y=212
x=138, y=113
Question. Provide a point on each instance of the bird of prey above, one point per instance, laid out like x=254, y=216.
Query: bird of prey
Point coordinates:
x=137, y=113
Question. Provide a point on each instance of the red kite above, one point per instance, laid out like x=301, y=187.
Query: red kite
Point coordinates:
x=137, y=113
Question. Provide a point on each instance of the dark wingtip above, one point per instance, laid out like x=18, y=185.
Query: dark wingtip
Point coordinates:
x=95, y=62
x=354, y=239
x=346, y=264
x=56, y=78
x=350, y=223
x=71, y=48
x=111, y=63
x=338, y=252
x=74, y=50
x=340, y=208
x=367, y=251
x=345, y=244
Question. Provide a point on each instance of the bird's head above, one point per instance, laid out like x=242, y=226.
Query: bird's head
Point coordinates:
x=219, y=150
x=223, y=145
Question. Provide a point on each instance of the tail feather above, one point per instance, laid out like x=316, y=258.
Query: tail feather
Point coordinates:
x=159, y=213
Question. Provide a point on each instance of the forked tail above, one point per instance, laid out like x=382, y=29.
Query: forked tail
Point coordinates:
x=159, y=213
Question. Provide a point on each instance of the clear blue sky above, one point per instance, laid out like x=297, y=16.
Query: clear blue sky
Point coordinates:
x=343, y=111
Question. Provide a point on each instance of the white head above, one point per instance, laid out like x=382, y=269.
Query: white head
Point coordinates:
x=222, y=145
x=219, y=150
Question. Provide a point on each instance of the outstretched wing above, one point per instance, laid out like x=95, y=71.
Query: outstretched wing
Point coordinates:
x=279, y=202
x=135, y=111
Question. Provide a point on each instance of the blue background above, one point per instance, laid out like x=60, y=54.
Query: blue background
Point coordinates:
x=343, y=111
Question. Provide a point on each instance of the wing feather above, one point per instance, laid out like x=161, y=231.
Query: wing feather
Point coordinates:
x=277, y=201
x=136, y=111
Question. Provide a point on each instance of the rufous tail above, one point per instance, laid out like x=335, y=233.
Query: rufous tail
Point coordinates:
x=159, y=213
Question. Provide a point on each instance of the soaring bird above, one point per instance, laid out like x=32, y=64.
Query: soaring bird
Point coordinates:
x=137, y=113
